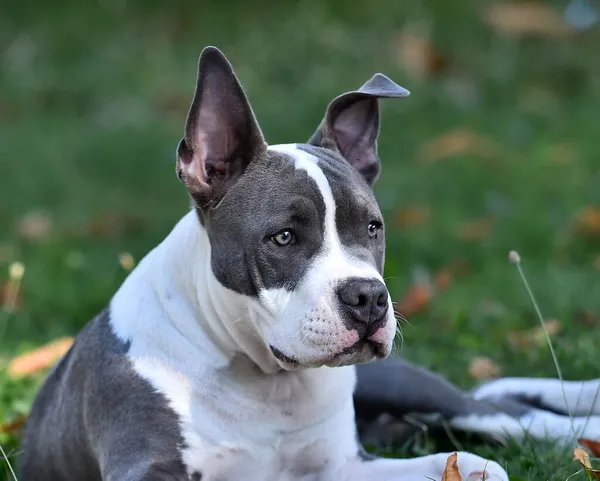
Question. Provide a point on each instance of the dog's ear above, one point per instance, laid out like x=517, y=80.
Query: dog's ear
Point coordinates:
x=351, y=124
x=222, y=135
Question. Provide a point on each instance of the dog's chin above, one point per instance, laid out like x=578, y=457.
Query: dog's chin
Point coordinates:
x=360, y=353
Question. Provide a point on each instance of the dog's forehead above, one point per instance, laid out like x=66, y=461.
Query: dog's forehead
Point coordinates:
x=348, y=189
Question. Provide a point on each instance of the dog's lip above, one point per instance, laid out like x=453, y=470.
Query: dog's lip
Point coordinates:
x=281, y=356
x=377, y=348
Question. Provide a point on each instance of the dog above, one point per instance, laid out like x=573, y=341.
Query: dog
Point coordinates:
x=249, y=343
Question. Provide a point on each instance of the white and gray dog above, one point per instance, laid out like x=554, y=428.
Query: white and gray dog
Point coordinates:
x=249, y=342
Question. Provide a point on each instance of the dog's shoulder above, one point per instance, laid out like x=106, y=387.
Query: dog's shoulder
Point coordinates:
x=92, y=379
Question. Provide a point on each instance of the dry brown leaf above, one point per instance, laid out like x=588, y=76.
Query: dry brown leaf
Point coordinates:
x=588, y=319
x=7, y=253
x=11, y=296
x=592, y=446
x=415, y=300
x=412, y=216
x=587, y=220
x=526, y=19
x=13, y=426
x=451, y=471
x=415, y=53
x=597, y=263
x=110, y=225
x=537, y=334
x=443, y=278
x=476, y=229
x=583, y=457
x=39, y=359
x=483, y=368
x=457, y=142
x=562, y=154
x=523, y=339
x=34, y=226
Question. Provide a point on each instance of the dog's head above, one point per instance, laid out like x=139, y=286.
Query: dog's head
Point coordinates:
x=293, y=228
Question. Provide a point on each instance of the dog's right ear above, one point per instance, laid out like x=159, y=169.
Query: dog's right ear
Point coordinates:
x=221, y=133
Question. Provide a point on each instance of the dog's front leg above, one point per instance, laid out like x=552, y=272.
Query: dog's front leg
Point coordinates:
x=472, y=468
x=148, y=470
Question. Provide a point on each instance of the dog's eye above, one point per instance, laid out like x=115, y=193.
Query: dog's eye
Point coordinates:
x=373, y=229
x=284, y=238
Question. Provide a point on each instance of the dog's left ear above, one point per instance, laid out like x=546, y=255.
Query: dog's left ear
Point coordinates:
x=222, y=135
x=351, y=125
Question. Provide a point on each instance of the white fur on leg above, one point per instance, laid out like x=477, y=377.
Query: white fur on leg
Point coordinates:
x=424, y=468
x=537, y=424
x=583, y=397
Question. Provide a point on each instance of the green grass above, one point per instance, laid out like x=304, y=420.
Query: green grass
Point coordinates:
x=92, y=105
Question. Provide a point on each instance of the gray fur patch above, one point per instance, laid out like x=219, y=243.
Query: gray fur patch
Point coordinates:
x=272, y=195
x=68, y=425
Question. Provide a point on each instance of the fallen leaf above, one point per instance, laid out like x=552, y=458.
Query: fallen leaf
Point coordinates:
x=587, y=221
x=412, y=216
x=562, y=154
x=39, y=359
x=476, y=229
x=7, y=253
x=11, y=296
x=597, y=263
x=415, y=300
x=583, y=457
x=13, y=426
x=34, y=226
x=592, y=446
x=455, y=143
x=451, y=471
x=415, y=53
x=589, y=319
x=110, y=225
x=520, y=19
x=537, y=334
x=443, y=278
x=483, y=368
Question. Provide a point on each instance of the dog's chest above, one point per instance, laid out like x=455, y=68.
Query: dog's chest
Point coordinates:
x=239, y=427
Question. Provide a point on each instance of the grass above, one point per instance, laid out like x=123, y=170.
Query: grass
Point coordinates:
x=92, y=104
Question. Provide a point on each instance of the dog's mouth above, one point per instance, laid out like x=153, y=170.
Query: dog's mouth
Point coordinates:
x=282, y=357
x=340, y=358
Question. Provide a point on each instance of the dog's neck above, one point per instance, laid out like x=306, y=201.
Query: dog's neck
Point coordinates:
x=172, y=301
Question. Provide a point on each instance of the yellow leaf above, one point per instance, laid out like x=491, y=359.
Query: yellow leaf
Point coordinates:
x=476, y=229
x=482, y=368
x=39, y=359
x=455, y=143
x=34, y=226
x=521, y=19
x=414, y=51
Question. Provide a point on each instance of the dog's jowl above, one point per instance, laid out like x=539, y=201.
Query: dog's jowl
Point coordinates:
x=228, y=353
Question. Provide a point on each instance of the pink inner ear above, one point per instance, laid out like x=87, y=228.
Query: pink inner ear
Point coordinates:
x=354, y=126
x=215, y=132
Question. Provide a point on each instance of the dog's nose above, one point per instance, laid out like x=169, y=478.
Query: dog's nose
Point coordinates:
x=365, y=300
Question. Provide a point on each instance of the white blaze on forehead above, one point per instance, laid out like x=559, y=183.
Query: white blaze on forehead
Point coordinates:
x=334, y=252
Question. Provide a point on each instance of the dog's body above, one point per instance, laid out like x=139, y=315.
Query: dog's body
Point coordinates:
x=228, y=353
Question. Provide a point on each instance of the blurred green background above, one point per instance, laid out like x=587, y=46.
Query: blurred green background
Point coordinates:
x=496, y=149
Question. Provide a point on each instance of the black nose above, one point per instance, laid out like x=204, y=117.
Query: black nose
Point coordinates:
x=365, y=301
